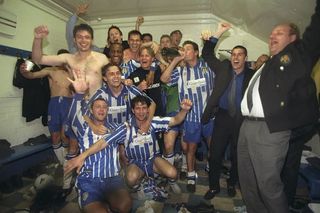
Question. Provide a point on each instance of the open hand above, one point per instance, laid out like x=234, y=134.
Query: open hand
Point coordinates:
x=82, y=8
x=79, y=83
x=74, y=163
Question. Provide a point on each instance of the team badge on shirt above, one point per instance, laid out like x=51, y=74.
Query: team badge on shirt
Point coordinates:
x=204, y=69
x=136, y=79
x=124, y=70
x=126, y=98
x=285, y=59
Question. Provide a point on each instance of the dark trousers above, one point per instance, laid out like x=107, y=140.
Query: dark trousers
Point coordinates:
x=290, y=171
x=226, y=131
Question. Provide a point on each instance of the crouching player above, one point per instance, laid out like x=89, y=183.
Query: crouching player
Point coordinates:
x=141, y=147
x=99, y=184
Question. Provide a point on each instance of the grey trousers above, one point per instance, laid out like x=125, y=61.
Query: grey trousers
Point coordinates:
x=261, y=156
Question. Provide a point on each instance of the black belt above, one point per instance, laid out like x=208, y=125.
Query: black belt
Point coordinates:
x=250, y=118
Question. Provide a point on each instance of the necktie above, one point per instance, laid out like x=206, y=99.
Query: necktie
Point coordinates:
x=232, y=96
x=250, y=89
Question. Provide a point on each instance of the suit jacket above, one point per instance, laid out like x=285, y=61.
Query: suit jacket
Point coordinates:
x=287, y=91
x=224, y=75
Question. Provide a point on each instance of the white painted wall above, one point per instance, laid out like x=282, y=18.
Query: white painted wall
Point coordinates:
x=29, y=14
x=190, y=25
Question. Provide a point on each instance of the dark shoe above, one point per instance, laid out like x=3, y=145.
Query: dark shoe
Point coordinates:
x=191, y=187
x=65, y=193
x=211, y=193
x=231, y=190
x=183, y=175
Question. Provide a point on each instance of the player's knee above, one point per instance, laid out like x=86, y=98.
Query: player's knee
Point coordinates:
x=125, y=205
x=172, y=172
x=132, y=178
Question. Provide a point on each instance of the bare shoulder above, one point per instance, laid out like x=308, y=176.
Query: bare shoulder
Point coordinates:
x=102, y=57
x=58, y=71
x=126, y=55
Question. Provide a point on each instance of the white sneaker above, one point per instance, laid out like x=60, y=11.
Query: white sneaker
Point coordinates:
x=175, y=188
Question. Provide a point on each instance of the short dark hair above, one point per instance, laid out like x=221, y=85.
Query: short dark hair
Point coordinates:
x=113, y=27
x=176, y=32
x=146, y=35
x=62, y=51
x=113, y=45
x=106, y=67
x=134, y=32
x=164, y=36
x=98, y=99
x=240, y=47
x=194, y=45
x=82, y=27
x=140, y=99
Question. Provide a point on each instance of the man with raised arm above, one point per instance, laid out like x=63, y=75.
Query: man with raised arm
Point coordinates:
x=99, y=182
x=140, y=146
x=232, y=78
x=84, y=59
x=195, y=81
x=281, y=97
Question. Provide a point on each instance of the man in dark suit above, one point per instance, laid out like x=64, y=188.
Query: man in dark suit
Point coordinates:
x=281, y=96
x=232, y=77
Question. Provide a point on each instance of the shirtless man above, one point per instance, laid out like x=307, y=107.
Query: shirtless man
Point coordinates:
x=61, y=98
x=84, y=59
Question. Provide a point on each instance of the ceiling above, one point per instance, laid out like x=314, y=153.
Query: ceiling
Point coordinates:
x=253, y=16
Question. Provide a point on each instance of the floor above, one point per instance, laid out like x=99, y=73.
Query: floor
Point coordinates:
x=21, y=199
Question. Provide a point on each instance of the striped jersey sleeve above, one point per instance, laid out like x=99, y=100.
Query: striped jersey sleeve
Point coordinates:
x=103, y=164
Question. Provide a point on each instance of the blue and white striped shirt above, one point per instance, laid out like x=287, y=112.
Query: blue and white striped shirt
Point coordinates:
x=119, y=107
x=141, y=147
x=103, y=164
x=128, y=68
x=194, y=83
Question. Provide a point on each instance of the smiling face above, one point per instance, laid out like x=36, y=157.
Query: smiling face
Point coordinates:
x=146, y=57
x=83, y=40
x=238, y=59
x=279, y=38
x=99, y=110
x=141, y=111
x=116, y=54
x=114, y=36
x=134, y=42
x=113, y=77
